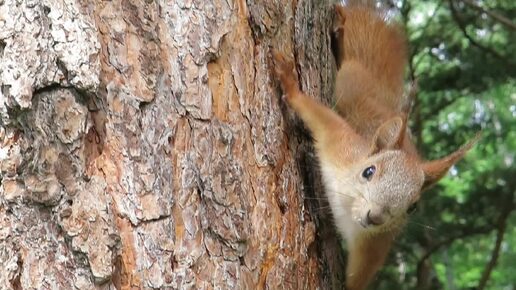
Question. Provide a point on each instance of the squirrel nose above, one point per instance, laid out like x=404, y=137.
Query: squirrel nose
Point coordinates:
x=374, y=218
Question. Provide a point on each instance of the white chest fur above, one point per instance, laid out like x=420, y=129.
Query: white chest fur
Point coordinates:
x=341, y=197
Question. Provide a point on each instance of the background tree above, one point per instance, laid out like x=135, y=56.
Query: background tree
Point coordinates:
x=463, y=235
x=145, y=146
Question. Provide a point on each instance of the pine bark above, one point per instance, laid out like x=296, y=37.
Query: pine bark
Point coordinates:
x=144, y=145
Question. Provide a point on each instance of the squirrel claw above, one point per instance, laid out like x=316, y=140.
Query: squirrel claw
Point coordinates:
x=284, y=71
x=283, y=64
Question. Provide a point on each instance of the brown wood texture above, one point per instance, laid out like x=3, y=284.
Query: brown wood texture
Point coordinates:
x=144, y=145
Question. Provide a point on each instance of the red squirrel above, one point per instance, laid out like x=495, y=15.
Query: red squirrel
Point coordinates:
x=371, y=170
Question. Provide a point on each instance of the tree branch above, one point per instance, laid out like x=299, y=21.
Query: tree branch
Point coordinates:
x=500, y=18
x=431, y=19
x=462, y=27
x=443, y=105
x=495, y=253
x=464, y=234
x=500, y=227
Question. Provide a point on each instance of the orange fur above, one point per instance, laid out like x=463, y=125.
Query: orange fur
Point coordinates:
x=366, y=258
x=371, y=170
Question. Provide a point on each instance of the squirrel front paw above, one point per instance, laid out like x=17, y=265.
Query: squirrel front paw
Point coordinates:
x=285, y=72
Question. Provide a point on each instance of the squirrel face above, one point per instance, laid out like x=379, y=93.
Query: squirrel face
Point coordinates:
x=374, y=183
x=372, y=176
x=385, y=186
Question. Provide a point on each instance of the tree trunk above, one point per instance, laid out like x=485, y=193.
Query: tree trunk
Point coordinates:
x=144, y=145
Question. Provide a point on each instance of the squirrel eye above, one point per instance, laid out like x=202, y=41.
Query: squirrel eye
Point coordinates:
x=369, y=172
x=412, y=208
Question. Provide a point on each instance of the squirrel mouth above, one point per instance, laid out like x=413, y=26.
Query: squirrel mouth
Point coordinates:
x=364, y=225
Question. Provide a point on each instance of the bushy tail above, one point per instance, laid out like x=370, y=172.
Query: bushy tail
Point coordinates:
x=367, y=38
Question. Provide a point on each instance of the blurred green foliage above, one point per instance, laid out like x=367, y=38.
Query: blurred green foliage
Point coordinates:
x=465, y=62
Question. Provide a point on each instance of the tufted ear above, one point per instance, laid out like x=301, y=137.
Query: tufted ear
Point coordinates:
x=436, y=169
x=337, y=35
x=340, y=17
x=389, y=135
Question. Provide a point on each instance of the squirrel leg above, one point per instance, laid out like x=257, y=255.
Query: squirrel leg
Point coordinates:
x=366, y=257
x=321, y=120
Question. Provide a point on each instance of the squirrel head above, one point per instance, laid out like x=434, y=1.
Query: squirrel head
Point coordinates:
x=385, y=183
x=385, y=187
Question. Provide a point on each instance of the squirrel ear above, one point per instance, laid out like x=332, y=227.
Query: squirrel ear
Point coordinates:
x=340, y=17
x=337, y=34
x=436, y=169
x=389, y=135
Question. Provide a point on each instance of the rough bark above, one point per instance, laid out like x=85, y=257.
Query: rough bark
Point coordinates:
x=144, y=145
